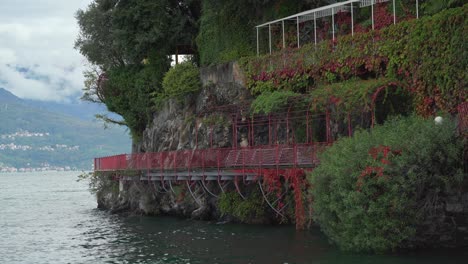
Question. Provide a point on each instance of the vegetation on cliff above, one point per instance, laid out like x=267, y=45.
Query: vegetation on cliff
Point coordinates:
x=425, y=57
x=374, y=191
x=128, y=44
x=382, y=189
x=227, y=28
x=181, y=80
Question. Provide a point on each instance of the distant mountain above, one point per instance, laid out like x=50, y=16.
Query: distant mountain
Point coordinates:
x=82, y=110
x=35, y=135
x=6, y=96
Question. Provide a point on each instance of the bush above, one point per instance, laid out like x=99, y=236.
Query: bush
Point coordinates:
x=182, y=79
x=269, y=102
x=230, y=203
x=377, y=190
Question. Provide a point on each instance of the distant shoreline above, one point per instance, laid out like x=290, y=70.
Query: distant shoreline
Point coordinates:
x=46, y=171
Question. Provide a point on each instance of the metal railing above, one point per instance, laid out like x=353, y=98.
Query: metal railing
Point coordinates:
x=297, y=155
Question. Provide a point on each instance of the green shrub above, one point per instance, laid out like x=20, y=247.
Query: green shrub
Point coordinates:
x=100, y=184
x=268, y=102
x=375, y=191
x=181, y=80
x=230, y=203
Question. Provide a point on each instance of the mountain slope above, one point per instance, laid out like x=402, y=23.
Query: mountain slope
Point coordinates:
x=32, y=137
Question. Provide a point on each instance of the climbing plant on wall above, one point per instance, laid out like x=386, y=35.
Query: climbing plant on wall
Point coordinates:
x=426, y=56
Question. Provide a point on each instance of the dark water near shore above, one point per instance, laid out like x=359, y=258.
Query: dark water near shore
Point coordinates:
x=51, y=218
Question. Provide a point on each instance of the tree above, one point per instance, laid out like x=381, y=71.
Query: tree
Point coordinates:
x=128, y=44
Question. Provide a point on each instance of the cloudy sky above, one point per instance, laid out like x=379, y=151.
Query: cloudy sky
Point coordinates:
x=37, y=59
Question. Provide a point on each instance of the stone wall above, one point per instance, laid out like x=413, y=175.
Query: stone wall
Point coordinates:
x=173, y=127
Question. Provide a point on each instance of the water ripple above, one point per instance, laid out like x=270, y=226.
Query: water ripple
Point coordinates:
x=52, y=219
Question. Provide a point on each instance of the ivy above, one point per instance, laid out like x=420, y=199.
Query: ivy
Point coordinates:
x=425, y=56
x=268, y=102
x=350, y=94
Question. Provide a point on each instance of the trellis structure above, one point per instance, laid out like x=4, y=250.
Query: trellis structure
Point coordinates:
x=324, y=11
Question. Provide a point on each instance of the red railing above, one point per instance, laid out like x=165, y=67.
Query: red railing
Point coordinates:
x=300, y=155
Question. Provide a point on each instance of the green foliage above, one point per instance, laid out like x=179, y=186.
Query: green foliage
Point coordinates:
x=117, y=33
x=356, y=94
x=431, y=7
x=100, y=184
x=127, y=92
x=269, y=102
x=373, y=191
x=426, y=56
x=227, y=28
x=128, y=44
x=430, y=55
x=230, y=203
x=216, y=119
x=224, y=32
x=181, y=80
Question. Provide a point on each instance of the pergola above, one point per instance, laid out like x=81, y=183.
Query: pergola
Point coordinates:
x=324, y=11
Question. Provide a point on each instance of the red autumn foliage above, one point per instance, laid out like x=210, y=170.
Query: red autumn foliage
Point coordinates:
x=380, y=153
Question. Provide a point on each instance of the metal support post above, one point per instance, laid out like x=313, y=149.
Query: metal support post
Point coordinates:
x=284, y=39
x=315, y=29
x=297, y=20
x=258, y=46
x=417, y=9
x=269, y=36
x=372, y=13
x=333, y=23
x=394, y=13
x=352, y=20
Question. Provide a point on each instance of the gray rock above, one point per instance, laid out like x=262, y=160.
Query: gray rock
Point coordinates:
x=454, y=207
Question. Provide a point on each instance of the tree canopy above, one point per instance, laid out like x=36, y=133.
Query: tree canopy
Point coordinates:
x=128, y=44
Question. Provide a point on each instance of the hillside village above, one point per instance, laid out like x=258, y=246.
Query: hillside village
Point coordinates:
x=7, y=143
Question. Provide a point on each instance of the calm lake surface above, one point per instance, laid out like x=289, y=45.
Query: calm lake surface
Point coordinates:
x=51, y=218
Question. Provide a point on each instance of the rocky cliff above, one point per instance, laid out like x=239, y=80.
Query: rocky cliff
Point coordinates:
x=191, y=123
x=199, y=122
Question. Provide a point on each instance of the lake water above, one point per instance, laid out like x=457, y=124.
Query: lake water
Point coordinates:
x=51, y=218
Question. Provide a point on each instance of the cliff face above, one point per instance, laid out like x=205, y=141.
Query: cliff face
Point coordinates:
x=174, y=127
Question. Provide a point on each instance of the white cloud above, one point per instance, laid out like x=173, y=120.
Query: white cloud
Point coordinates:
x=38, y=35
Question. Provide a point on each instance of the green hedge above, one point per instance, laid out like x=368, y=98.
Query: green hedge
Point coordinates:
x=181, y=79
x=371, y=192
